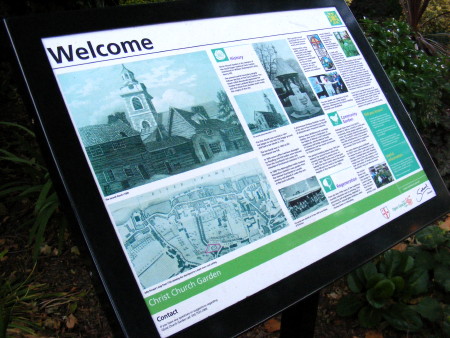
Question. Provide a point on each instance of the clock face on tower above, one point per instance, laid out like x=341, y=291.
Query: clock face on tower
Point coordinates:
x=138, y=103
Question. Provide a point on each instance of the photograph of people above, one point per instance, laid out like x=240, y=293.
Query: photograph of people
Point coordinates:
x=304, y=197
x=381, y=174
x=327, y=85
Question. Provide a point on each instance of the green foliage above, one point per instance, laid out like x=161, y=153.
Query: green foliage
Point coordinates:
x=21, y=300
x=26, y=182
x=436, y=17
x=396, y=287
x=414, y=14
x=420, y=80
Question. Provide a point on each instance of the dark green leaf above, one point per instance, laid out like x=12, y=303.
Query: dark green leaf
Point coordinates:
x=375, y=300
x=403, y=318
x=354, y=282
x=395, y=263
x=431, y=237
x=40, y=226
x=424, y=260
x=348, y=305
x=369, y=269
x=369, y=317
x=442, y=277
x=375, y=279
x=429, y=308
x=417, y=282
x=407, y=263
x=399, y=283
x=446, y=321
x=385, y=288
x=443, y=256
x=43, y=195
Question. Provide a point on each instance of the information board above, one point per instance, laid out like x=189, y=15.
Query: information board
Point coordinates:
x=218, y=152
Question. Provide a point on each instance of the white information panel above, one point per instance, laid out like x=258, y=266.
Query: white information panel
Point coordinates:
x=230, y=156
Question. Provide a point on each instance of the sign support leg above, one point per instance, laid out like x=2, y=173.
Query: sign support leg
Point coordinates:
x=299, y=319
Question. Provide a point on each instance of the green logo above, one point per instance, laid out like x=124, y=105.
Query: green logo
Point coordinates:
x=334, y=118
x=327, y=183
x=333, y=18
x=219, y=54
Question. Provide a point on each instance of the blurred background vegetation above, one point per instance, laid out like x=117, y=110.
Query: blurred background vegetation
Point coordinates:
x=411, y=40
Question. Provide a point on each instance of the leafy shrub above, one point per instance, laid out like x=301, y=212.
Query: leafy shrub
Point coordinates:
x=27, y=185
x=420, y=80
x=404, y=289
x=436, y=18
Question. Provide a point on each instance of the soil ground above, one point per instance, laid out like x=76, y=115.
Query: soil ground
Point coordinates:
x=80, y=313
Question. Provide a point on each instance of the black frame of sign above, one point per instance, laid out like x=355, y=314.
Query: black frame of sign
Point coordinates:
x=70, y=166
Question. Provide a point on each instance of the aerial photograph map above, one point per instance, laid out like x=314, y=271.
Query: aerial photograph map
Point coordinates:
x=179, y=227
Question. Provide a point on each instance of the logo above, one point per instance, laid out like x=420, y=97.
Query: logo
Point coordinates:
x=409, y=200
x=219, y=54
x=327, y=183
x=385, y=212
x=422, y=191
x=333, y=18
x=335, y=119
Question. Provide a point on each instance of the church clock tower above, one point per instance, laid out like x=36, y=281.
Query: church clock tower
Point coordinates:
x=140, y=110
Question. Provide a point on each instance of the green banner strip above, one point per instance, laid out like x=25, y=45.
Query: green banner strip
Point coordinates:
x=204, y=281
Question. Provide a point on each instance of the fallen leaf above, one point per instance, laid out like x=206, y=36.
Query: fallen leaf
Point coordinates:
x=272, y=325
x=46, y=249
x=400, y=247
x=52, y=323
x=14, y=332
x=334, y=295
x=55, y=252
x=71, y=321
x=373, y=334
x=75, y=250
x=445, y=225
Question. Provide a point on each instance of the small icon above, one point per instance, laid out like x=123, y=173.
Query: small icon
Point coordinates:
x=327, y=184
x=409, y=200
x=335, y=119
x=219, y=54
x=385, y=212
x=333, y=18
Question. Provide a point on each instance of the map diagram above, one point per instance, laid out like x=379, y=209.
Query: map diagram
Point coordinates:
x=177, y=228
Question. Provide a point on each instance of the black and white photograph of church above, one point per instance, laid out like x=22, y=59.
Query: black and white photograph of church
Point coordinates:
x=288, y=80
x=261, y=110
x=145, y=121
